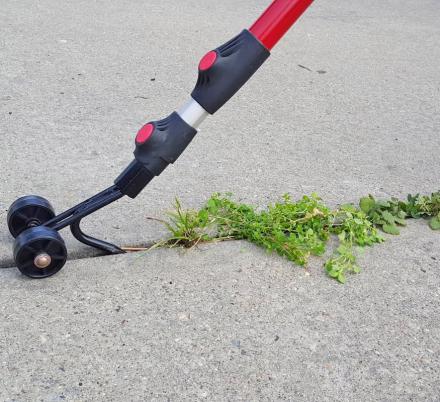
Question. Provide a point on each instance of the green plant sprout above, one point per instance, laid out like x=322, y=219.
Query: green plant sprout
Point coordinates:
x=297, y=230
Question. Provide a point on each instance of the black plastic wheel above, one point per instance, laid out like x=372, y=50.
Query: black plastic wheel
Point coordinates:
x=27, y=212
x=39, y=252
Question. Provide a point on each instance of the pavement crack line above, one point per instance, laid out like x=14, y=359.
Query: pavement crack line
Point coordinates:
x=87, y=252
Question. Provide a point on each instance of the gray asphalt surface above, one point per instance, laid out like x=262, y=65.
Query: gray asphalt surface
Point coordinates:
x=347, y=105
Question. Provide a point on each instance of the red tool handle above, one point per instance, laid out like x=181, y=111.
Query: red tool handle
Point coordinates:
x=277, y=19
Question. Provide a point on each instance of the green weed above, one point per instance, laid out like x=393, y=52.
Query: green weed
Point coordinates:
x=298, y=229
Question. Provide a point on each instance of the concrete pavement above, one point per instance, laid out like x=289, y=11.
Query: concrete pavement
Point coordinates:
x=76, y=84
x=347, y=105
x=222, y=323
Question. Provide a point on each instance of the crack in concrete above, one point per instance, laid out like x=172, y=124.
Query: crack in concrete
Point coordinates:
x=81, y=254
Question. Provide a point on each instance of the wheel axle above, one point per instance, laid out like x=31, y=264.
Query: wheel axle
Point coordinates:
x=39, y=250
x=42, y=261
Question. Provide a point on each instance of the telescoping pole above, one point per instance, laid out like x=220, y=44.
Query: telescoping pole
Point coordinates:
x=277, y=19
x=221, y=73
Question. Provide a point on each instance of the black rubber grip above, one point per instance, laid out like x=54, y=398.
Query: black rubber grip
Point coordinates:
x=236, y=61
x=164, y=145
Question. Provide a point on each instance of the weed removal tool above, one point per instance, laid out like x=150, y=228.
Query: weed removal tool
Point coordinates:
x=40, y=251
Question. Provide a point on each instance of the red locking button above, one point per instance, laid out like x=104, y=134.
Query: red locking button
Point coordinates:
x=144, y=133
x=208, y=60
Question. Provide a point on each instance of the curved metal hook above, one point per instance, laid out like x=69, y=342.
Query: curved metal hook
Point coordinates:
x=91, y=241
